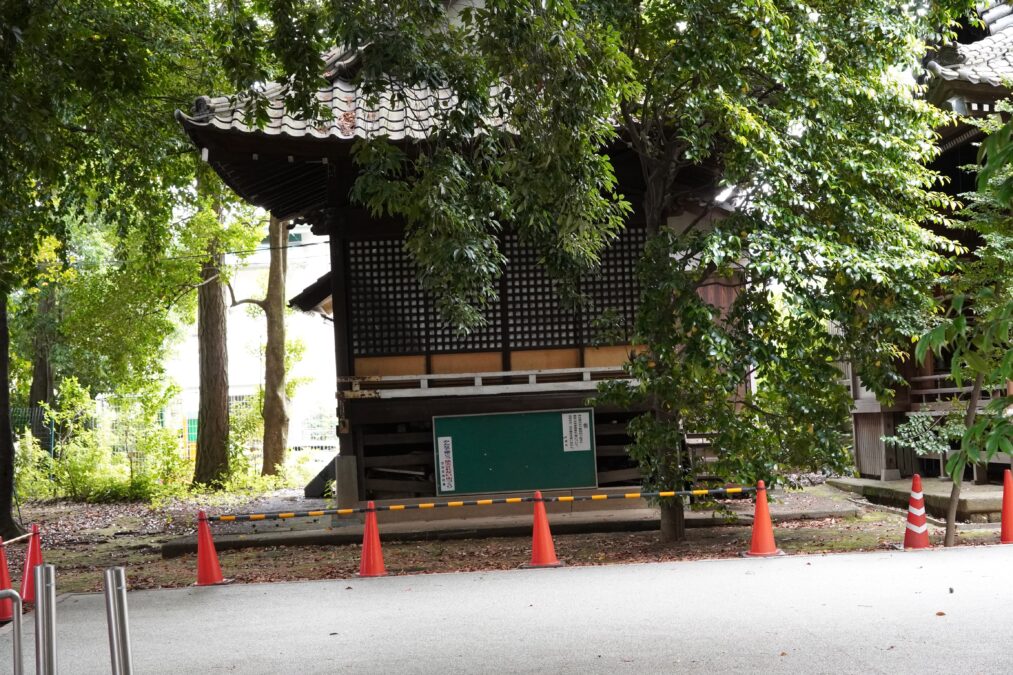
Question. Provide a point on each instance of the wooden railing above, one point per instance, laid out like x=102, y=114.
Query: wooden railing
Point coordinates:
x=474, y=384
x=935, y=393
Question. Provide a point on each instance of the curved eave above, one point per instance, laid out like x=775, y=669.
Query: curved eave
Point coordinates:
x=942, y=92
x=283, y=174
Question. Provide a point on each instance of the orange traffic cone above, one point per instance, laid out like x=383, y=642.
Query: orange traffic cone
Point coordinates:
x=762, y=544
x=209, y=571
x=32, y=558
x=6, y=608
x=543, y=552
x=916, y=533
x=372, y=555
x=1006, y=533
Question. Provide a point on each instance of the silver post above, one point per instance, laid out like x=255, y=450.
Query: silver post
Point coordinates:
x=49, y=589
x=111, y=620
x=12, y=595
x=123, y=621
x=40, y=621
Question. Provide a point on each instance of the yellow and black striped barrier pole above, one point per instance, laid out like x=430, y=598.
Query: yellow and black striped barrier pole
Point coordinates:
x=283, y=515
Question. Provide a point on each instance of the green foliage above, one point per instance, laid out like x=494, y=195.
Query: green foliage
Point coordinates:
x=90, y=464
x=94, y=167
x=694, y=374
x=931, y=434
x=86, y=126
x=529, y=95
x=33, y=469
x=807, y=110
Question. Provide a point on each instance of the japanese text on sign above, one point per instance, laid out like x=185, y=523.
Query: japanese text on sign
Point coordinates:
x=576, y=432
x=446, y=450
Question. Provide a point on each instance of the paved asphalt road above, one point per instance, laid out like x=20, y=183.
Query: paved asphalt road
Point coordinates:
x=861, y=613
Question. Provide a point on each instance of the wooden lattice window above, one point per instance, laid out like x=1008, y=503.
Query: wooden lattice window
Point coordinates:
x=615, y=286
x=535, y=317
x=387, y=306
x=390, y=314
x=445, y=339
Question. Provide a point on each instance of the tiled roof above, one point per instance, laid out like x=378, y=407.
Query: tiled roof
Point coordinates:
x=408, y=113
x=997, y=15
x=986, y=61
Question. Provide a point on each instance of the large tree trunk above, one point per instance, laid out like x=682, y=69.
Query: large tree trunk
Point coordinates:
x=8, y=527
x=673, y=520
x=951, y=509
x=275, y=404
x=42, y=388
x=213, y=415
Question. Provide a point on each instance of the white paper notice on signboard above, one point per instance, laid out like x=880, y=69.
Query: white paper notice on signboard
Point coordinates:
x=576, y=431
x=446, y=451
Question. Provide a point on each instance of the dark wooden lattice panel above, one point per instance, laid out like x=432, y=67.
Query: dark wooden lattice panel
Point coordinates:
x=614, y=286
x=391, y=315
x=443, y=338
x=535, y=317
x=387, y=306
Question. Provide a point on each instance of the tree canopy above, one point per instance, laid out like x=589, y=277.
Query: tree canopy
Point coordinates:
x=807, y=116
x=90, y=147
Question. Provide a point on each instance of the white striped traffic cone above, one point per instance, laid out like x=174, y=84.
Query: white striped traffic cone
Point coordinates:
x=916, y=534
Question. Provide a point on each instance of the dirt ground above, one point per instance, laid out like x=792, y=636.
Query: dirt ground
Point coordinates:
x=83, y=539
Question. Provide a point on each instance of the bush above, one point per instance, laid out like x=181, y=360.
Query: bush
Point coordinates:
x=33, y=469
x=147, y=465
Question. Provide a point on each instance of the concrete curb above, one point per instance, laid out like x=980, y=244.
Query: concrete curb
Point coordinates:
x=975, y=503
x=353, y=535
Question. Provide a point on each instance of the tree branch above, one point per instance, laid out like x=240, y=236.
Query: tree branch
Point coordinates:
x=246, y=301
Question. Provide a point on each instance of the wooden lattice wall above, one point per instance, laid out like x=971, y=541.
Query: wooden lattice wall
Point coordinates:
x=390, y=314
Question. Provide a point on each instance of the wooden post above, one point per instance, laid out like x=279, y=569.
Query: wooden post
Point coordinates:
x=342, y=350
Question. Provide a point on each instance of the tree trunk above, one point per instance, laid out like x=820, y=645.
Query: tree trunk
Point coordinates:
x=8, y=527
x=673, y=516
x=951, y=509
x=673, y=520
x=951, y=512
x=213, y=414
x=42, y=388
x=275, y=404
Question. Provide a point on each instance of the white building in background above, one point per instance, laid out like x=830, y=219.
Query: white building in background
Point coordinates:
x=312, y=409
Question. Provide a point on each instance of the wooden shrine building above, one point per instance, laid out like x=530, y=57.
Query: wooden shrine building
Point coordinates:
x=398, y=364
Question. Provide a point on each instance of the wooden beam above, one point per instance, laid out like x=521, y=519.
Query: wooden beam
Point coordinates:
x=413, y=437
x=392, y=461
x=619, y=475
x=422, y=487
x=610, y=428
x=393, y=411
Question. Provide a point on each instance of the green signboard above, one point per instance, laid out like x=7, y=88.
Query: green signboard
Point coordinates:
x=511, y=452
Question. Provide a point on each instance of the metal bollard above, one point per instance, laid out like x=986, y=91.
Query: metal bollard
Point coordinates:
x=15, y=598
x=45, y=620
x=118, y=621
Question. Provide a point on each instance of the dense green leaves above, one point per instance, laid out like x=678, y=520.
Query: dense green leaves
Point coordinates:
x=808, y=111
